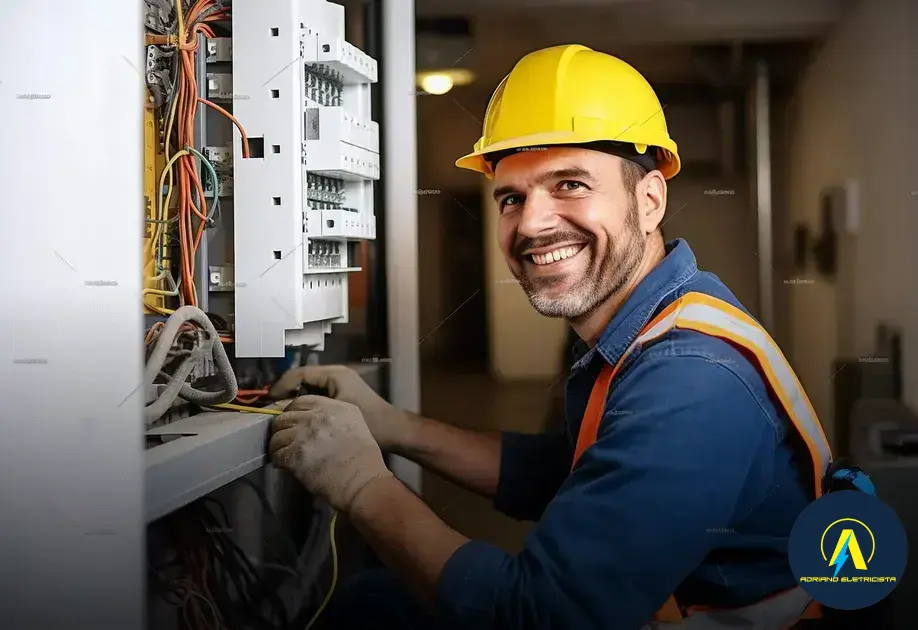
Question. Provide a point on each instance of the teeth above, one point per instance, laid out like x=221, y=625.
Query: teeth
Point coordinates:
x=555, y=255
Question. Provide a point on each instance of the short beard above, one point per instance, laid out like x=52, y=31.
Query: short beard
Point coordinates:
x=603, y=279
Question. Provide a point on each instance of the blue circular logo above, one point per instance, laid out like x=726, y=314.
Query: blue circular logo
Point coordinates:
x=848, y=550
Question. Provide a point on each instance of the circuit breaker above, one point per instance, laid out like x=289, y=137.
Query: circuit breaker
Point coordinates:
x=302, y=184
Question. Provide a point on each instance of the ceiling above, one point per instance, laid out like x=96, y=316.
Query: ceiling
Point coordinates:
x=657, y=20
x=657, y=36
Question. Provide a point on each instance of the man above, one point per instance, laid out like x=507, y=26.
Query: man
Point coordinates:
x=690, y=447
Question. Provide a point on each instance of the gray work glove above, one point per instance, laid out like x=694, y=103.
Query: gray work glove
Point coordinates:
x=390, y=426
x=327, y=446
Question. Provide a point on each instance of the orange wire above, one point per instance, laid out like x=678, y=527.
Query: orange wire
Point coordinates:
x=248, y=396
x=149, y=336
x=189, y=178
x=187, y=174
x=245, y=139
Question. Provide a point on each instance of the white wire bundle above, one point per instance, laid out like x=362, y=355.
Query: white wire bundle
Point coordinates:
x=208, y=347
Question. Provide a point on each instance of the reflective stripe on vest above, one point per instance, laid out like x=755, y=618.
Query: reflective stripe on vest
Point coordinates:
x=711, y=316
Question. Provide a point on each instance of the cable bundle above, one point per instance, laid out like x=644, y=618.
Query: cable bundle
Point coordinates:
x=217, y=587
x=192, y=217
x=226, y=590
x=209, y=346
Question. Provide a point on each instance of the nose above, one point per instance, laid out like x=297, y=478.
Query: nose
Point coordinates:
x=537, y=216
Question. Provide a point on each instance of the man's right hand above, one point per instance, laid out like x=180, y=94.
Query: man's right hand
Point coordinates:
x=390, y=426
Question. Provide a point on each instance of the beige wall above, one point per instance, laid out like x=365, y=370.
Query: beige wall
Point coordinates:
x=715, y=217
x=854, y=116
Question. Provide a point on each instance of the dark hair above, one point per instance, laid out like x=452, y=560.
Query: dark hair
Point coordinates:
x=632, y=174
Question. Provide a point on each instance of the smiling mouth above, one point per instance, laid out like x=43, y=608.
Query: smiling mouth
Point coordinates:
x=555, y=255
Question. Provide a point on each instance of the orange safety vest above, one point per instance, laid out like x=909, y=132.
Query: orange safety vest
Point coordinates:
x=711, y=316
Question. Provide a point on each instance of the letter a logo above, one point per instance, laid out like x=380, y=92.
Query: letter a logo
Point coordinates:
x=847, y=547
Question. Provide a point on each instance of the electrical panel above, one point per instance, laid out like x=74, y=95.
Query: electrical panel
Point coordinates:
x=256, y=195
x=306, y=187
x=260, y=157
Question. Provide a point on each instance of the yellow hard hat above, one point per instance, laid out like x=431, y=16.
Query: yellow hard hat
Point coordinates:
x=573, y=95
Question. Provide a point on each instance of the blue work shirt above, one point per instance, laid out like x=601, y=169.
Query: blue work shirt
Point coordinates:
x=690, y=489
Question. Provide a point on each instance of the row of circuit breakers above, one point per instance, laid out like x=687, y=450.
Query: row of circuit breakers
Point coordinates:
x=302, y=94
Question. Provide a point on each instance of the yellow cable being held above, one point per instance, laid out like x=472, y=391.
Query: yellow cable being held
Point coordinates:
x=244, y=409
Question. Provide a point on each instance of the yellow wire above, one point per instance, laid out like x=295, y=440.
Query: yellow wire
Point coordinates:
x=166, y=154
x=159, y=226
x=160, y=218
x=165, y=312
x=164, y=275
x=163, y=210
x=159, y=230
x=244, y=409
x=155, y=308
x=181, y=17
x=334, y=580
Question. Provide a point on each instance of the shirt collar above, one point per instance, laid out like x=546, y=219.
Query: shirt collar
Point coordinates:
x=674, y=270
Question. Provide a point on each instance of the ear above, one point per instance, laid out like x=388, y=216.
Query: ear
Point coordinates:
x=651, y=201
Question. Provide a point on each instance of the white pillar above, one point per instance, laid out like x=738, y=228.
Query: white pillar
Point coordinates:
x=400, y=168
x=71, y=216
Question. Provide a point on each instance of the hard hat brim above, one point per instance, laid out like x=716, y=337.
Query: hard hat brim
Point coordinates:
x=477, y=162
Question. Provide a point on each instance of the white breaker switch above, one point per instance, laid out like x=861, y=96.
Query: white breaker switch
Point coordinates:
x=309, y=192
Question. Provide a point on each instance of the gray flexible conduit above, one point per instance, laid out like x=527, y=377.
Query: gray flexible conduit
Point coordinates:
x=178, y=387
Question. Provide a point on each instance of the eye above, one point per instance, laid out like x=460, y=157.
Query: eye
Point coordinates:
x=569, y=185
x=510, y=200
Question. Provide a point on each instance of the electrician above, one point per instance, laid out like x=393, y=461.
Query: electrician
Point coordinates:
x=690, y=447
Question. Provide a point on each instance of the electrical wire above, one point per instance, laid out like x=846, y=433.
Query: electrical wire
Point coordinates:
x=174, y=291
x=241, y=572
x=245, y=138
x=177, y=387
x=334, y=580
x=219, y=587
x=249, y=396
x=157, y=251
x=181, y=179
x=244, y=409
x=182, y=171
x=213, y=178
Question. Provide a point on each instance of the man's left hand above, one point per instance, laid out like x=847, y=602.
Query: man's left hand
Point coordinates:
x=326, y=444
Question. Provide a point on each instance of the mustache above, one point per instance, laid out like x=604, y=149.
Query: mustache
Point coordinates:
x=562, y=236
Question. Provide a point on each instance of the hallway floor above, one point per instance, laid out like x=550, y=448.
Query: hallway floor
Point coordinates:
x=474, y=400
